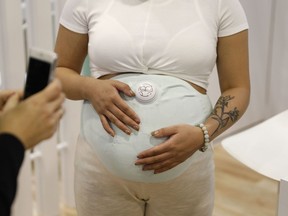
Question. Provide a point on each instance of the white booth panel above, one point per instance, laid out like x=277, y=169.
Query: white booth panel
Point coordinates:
x=278, y=71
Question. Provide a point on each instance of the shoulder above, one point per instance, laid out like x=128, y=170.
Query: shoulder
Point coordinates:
x=77, y=14
x=231, y=17
x=82, y=9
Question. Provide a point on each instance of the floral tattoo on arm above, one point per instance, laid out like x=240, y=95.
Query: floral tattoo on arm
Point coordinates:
x=221, y=116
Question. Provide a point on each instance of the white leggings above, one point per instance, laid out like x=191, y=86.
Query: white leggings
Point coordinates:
x=99, y=193
x=107, y=182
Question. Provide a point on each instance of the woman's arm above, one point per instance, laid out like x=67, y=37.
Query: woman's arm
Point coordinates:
x=71, y=48
x=104, y=95
x=233, y=73
x=185, y=140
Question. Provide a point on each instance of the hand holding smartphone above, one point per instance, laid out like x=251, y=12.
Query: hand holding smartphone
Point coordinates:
x=40, y=72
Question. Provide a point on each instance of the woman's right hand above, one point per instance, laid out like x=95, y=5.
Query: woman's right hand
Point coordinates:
x=72, y=49
x=111, y=108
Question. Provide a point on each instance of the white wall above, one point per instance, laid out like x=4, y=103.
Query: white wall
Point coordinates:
x=278, y=68
x=259, y=17
x=12, y=53
x=268, y=57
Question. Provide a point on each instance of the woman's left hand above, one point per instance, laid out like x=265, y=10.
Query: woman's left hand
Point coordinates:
x=184, y=140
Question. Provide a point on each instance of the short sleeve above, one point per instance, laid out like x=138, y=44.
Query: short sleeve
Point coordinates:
x=74, y=16
x=232, y=18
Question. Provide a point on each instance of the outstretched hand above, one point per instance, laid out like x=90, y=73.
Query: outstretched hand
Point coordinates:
x=111, y=108
x=35, y=118
x=184, y=140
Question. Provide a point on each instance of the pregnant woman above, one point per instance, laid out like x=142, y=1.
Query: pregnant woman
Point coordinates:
x=147, y=123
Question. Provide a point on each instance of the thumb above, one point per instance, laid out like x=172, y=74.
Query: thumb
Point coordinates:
x=11, y=102
x=123, y=87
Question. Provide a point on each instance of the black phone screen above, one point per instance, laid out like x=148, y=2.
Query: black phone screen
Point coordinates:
x=37, y=76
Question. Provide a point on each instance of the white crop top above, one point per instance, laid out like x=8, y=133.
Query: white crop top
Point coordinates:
x=170, y=37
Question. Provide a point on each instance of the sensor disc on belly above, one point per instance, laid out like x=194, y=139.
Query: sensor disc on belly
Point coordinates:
x=145, y=92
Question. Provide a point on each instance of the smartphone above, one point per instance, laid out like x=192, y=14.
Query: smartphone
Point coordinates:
x=40, y=71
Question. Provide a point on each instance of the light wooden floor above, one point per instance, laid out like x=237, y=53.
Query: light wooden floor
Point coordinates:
x=239, y=190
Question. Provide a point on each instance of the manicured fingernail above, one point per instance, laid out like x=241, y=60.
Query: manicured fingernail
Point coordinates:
x=138, y=120
x=139, y=156
x=132, y=93
x=136, y=127
x=128, y=132
x=155, y=133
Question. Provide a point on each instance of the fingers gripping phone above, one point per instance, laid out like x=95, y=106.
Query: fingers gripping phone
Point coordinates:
x=40, y=71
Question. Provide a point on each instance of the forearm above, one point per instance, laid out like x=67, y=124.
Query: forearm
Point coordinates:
x=229, y=108
x=71, y=48
x=74, y=85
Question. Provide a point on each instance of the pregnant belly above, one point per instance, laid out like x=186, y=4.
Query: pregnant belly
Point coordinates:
x=160, y=101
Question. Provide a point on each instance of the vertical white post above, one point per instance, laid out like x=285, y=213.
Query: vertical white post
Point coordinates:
x=70, y=128
x=46, y=167
x=47, y=182
x=69, y=131
x=2, y=53
x=23, y=204
x=13, y=67
x=283, y=198
x=14, y=63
